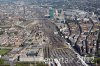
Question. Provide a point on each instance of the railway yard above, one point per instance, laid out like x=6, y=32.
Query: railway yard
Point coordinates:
x=56, y=37
x=47, y=40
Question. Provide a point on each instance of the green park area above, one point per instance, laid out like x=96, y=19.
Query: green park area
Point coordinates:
x=96, y=60
x=2, y=63
x=4, y=51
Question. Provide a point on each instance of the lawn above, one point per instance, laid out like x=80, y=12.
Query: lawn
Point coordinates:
x=4, y=51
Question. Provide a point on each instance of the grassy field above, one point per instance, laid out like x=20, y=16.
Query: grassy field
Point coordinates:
x=4, y=51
